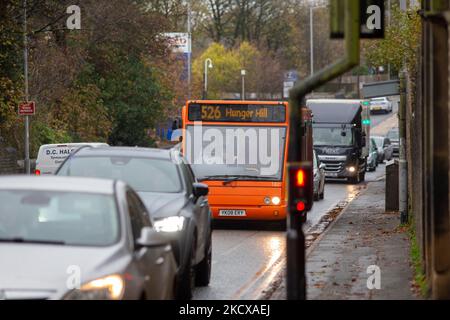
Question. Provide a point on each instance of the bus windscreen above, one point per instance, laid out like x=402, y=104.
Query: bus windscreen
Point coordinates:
x=237, y=113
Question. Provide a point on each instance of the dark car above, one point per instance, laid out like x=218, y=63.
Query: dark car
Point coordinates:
x=176, y=201
x=393, y=135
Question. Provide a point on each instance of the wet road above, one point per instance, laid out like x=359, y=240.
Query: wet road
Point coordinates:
x=247, y=257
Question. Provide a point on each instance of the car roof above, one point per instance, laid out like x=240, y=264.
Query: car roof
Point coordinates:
x=78, y=144
x=61, y=184
x=162, y=154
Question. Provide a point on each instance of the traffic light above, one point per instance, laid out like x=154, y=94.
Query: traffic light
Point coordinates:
x=301, y=188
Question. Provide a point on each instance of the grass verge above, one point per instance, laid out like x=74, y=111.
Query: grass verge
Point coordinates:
x=416, y=259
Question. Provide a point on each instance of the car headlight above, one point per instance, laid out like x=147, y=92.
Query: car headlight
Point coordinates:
x=107, y=288
x=171, y=224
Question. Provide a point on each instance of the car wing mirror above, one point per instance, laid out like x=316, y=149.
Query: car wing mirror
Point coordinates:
x=200, y=190
x=151, y=238
x=322, y=166
x=177, y=135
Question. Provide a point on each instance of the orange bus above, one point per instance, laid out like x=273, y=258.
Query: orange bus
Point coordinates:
x=239, y=149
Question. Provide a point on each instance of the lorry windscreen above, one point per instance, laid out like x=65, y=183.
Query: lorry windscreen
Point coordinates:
x=333, y=137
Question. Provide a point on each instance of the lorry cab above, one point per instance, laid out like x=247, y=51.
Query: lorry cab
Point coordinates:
x=341, y=137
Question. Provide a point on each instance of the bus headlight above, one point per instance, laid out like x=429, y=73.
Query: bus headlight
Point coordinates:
x=276, y=201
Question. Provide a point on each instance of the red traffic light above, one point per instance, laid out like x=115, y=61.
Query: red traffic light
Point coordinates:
x=301, y=206
x=301, y=187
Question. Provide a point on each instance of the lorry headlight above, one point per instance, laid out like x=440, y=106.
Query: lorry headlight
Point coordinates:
x=351, y=169
x=107, y=288
x=171, y=224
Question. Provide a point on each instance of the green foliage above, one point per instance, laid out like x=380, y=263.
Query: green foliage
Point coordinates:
x=105, y=83
x=416, y=258
x=225, y=76
x=225, y=73
x=401, y=42
x=41, y=134
x=133, y=99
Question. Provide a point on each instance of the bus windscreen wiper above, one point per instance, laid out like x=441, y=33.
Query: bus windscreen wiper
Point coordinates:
x=22, y=240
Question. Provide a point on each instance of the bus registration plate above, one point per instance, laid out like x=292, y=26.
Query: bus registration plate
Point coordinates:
x=232, y=213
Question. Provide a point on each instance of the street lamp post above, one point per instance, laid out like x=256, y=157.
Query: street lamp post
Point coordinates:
x=208, y=65
x=311, y=37
x=27, y=120
x=189, y=27
x=243, y=74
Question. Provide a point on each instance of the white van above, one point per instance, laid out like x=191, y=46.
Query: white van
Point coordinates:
x=51, y=156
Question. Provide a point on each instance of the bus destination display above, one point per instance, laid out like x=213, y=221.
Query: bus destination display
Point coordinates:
x=237, y=113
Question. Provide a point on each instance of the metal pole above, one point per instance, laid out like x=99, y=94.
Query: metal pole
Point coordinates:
x=403, y=174
x=27, y=120
x=311, y=39
x=243, y=73
x=389, y=24
x=190, y=48
x=205, y=78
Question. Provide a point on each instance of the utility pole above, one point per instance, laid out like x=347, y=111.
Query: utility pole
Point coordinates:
x=27, y=98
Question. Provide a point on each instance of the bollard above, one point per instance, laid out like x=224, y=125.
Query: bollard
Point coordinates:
x=392, y=186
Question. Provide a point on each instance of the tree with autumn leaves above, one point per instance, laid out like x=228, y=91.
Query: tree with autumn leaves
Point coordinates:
x=110, y=81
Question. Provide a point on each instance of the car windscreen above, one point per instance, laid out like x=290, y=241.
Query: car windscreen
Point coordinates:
x=378, y=100
x=379, y=141
x=142, y=174
x=65, y=218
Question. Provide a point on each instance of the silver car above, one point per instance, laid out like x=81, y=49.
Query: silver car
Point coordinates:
x=80, y=239
x=385, y=148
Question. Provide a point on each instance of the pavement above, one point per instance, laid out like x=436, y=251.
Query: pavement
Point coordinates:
x=363, y=236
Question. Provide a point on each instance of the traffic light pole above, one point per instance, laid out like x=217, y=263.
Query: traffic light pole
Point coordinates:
x=296, y=275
